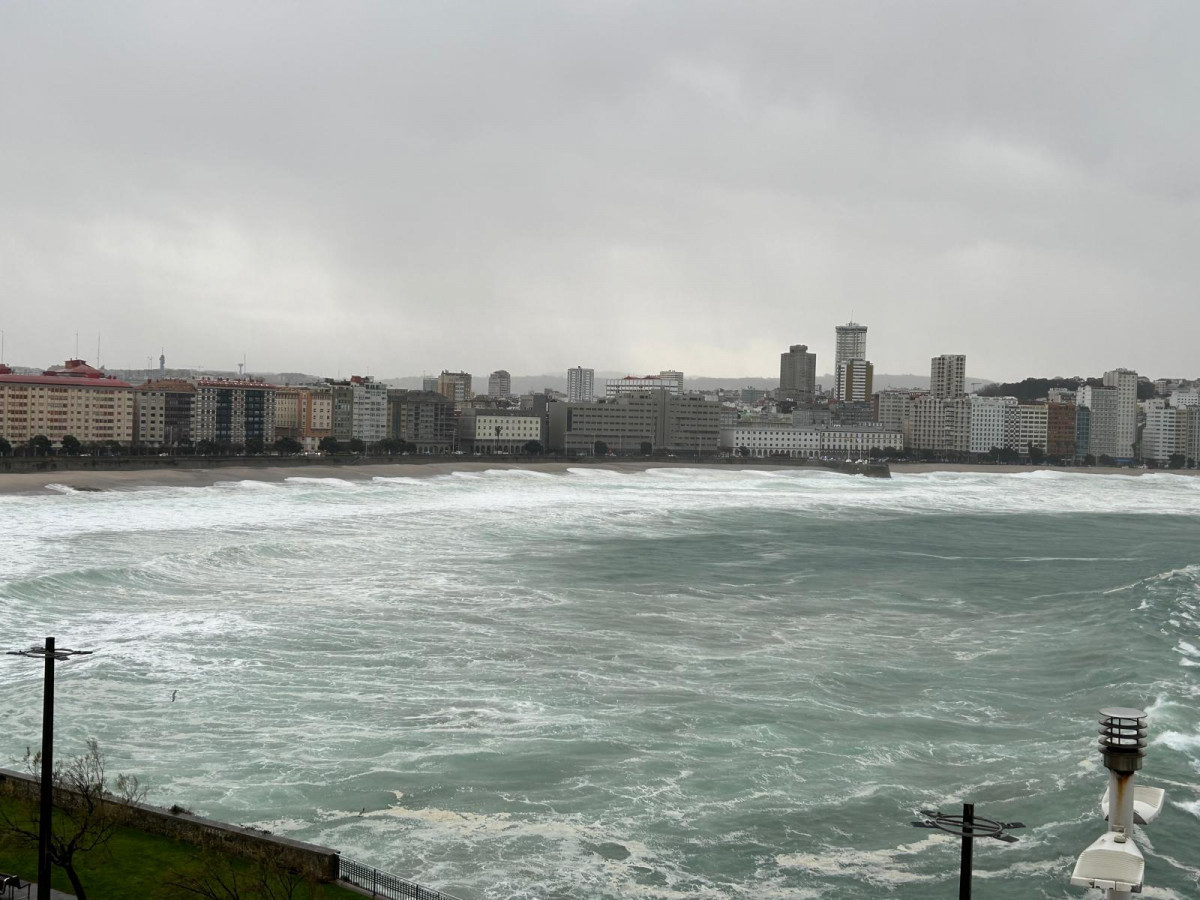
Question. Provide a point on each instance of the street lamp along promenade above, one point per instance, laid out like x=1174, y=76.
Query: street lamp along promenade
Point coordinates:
x=50, y=654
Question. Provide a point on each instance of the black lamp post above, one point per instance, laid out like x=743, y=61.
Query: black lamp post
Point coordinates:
x=968, y=826
x=50, y=655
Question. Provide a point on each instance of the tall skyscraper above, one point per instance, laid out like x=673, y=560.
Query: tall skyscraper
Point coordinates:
x=499, y=384
x=948, y=375
x=1125, y=426
x=797, y=374
x=851, y=342
x=581, y=384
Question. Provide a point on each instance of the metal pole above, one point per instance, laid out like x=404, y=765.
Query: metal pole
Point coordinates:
x=968, y=847
x=47, y=789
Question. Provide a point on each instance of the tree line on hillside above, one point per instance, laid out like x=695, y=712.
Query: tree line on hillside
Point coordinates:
x=1029, y=389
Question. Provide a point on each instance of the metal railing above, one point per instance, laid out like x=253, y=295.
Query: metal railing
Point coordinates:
x=383, y=884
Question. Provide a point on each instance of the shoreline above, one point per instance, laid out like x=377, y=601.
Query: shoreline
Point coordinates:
x=135, y=479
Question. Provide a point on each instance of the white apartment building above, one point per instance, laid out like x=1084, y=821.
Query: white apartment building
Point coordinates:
x=581, y=384
x=948, y=375
x=1161, y=439
x=804, y=443
x=857, y=443
x=994, y=423
x=809, y=443
x=72, y=399
x=1184, y=398
x=1033, y=427
x=499, y=384
x=369, y=410
x=499, y=433
x=668, y=380
x=1125, y=435
x=851, y=342
x=1102, y=428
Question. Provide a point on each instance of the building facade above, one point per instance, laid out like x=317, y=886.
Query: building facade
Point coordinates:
x=1034, y=422
x=424, y=419
x=851, y=342
x=1060, y=430
x=1125, y=383
x=854, y=382
x=233, y=411
x=948, y=375
x=455, y=387
x=489, y=431
x=73, y=399
x=798, y=374
x=658, y=419
x=499, y=384
x=581, y=384
x=1101, y=420
x=994, y=423
x=163, y=412
x=668, y=380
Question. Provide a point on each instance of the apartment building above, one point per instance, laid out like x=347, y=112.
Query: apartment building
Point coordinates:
x=422, y=418
x=455, y=387
x=304, y=413
x=499, y=384
x=668, y=380
x=798, y=374
x=162, y=413
x=233, y=411
x=581, y=384
x=1125, y=383
x=1033, y=430
x=1060, y=430
x=490, y=431
x=948, y=375
x=663, y=420
x=854, y=380
x=72, y=399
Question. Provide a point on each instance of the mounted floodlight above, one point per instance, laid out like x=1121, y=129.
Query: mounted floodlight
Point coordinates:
x=1112, y=863
x=1147, y=804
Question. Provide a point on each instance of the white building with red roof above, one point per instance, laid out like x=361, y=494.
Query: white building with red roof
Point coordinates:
x=73, y=398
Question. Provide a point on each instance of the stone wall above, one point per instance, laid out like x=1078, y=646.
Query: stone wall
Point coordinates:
x=310, y=859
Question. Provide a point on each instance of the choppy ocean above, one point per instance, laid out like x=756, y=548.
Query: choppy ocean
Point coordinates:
x=670, y=684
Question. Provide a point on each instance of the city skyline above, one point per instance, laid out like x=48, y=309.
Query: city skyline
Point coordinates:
x=348, y=186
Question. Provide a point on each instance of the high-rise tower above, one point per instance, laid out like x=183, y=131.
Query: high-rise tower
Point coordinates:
x=948, y=375
x=798, y=374
x=851, y=342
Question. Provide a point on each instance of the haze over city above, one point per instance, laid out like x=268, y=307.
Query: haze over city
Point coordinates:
x=399, y=188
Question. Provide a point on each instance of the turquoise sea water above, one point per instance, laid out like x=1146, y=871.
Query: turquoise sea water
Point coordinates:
x=670, y=684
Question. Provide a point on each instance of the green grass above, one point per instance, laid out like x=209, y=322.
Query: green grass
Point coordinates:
x=133, y=864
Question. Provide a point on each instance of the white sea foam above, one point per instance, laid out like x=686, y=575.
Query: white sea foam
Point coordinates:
x=694, y=665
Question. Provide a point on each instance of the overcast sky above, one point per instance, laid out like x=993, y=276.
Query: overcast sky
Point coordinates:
x=403, y=187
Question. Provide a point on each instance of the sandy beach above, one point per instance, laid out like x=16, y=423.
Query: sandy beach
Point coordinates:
x=125, y=480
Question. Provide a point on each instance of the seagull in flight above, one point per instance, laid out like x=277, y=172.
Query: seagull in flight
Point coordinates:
x=173, y=693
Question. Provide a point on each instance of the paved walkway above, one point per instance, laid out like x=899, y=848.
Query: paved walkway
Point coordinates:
x=54, y=895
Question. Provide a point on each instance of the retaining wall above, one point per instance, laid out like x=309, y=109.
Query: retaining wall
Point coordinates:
x=310, y=859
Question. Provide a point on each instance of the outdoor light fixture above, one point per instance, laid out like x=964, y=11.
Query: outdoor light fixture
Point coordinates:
x=1113, y=862
x=50, y=654
x=968, y=826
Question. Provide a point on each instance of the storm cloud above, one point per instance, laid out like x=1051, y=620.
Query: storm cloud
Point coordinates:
x=403, y=187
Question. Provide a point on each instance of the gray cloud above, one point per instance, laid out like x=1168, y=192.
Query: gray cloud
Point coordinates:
x=405, y=187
